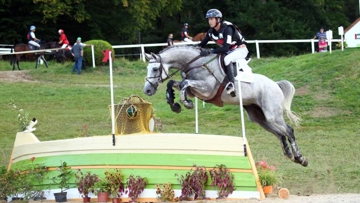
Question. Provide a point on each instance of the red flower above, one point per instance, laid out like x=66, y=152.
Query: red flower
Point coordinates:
x=32, y=159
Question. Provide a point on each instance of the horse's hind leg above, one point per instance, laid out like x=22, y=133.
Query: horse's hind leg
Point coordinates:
x=43, y=58
x=256, y=115
x=278, y=127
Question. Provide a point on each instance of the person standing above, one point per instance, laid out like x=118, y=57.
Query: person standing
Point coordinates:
x=32, y=40
x=63, y=41
x=170, y=41
x=184, y=34
x=78, y=52
x=230, y=41
x=320, y=34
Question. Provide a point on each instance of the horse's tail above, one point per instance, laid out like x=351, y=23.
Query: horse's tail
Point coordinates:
x=288, y=90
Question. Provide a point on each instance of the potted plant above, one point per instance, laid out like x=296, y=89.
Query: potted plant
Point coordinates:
x=62, y=181
x=193, y=183
x=85, y=183
x=37, y=173
x=223, y=180
x=102, y=189
x=4, y=188
x=267, y=176
x=165, y=193
x=135, y=186
x=117, y=188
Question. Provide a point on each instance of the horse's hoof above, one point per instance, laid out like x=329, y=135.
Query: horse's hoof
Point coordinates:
x=176, y=108
x=302, y=161
x=188, y=104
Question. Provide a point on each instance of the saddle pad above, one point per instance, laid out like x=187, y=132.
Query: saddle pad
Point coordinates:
x=244, y=72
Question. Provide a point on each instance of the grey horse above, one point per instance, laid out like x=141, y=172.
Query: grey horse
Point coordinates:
x=264, y=100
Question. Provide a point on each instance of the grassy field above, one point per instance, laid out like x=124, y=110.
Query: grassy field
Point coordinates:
x=327, y=99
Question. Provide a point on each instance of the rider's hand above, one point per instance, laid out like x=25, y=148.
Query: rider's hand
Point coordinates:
x=205, y=52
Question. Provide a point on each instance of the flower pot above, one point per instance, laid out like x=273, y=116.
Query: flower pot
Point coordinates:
x=60, y=197
x=103, y=197
x=115, y=200
x=267, y=189
x=86, y=199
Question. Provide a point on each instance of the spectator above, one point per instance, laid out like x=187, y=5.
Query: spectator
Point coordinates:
x=78, y=52
x=320, y=34
x=322, y=45
x=170, y=41
x=184, y=34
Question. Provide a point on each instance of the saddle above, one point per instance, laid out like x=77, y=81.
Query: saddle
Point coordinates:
x=246, y=77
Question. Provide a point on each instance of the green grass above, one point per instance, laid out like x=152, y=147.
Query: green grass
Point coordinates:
x=327, y=99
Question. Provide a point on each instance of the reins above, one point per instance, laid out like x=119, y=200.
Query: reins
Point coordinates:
x=185, y=70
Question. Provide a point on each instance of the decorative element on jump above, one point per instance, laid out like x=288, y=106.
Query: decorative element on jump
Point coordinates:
x=133, y=115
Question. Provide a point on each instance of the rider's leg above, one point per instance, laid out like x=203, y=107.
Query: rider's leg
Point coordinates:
x=239, y=53
x=187, y=40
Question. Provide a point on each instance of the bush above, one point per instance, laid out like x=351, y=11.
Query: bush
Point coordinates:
x=99, y=46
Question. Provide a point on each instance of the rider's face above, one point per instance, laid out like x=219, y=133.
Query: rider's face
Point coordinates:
x=212, y=22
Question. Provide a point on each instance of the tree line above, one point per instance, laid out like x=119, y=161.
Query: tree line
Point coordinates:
x=150, y=21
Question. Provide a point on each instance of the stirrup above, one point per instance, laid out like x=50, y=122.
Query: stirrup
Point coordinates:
x=230, y=89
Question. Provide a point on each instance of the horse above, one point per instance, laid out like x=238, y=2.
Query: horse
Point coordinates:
x=264, y=99
x=30, y=56
x=62, y=57
x=200, y=36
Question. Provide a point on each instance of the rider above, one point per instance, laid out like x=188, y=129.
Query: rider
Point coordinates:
x=184, y=34
x=230, y=40
x=32, y=40
x=63, y=40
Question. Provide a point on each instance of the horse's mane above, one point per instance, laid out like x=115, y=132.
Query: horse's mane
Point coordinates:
x=180, y=47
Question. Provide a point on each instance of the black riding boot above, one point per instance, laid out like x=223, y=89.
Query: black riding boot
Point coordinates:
x=230, y=87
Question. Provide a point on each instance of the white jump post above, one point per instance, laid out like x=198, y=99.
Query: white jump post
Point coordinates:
x=93, y=56
x=341, y=33
x=241, y=63
x=112, y=100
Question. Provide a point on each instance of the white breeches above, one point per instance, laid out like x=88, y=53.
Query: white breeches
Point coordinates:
x=34, y=43
x=187, y=40
x=238, y=53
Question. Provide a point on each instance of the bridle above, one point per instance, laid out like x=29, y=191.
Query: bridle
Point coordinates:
x=186, y=69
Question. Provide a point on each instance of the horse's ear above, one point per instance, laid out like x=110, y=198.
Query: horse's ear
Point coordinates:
x=148, y=56
x=154, y=56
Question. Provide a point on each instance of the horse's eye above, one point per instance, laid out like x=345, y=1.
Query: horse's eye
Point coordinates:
x=155, y=69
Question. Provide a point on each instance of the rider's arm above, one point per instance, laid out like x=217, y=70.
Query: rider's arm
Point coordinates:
x=205, y=40
x=228, y=33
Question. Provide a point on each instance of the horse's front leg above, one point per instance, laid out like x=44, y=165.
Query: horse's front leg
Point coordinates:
x=170, y=95
x=200, y=86
x=37, y=62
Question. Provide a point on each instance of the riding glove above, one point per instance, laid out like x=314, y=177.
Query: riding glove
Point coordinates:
x=206, y=52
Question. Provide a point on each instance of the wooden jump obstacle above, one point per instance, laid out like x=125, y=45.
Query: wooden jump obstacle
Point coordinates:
x=155, y=156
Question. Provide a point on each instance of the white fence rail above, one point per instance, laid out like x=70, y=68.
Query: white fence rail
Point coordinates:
x=256, y=42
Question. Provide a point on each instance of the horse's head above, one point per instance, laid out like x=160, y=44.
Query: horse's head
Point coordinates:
x=156, y=73
x=178, y=57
